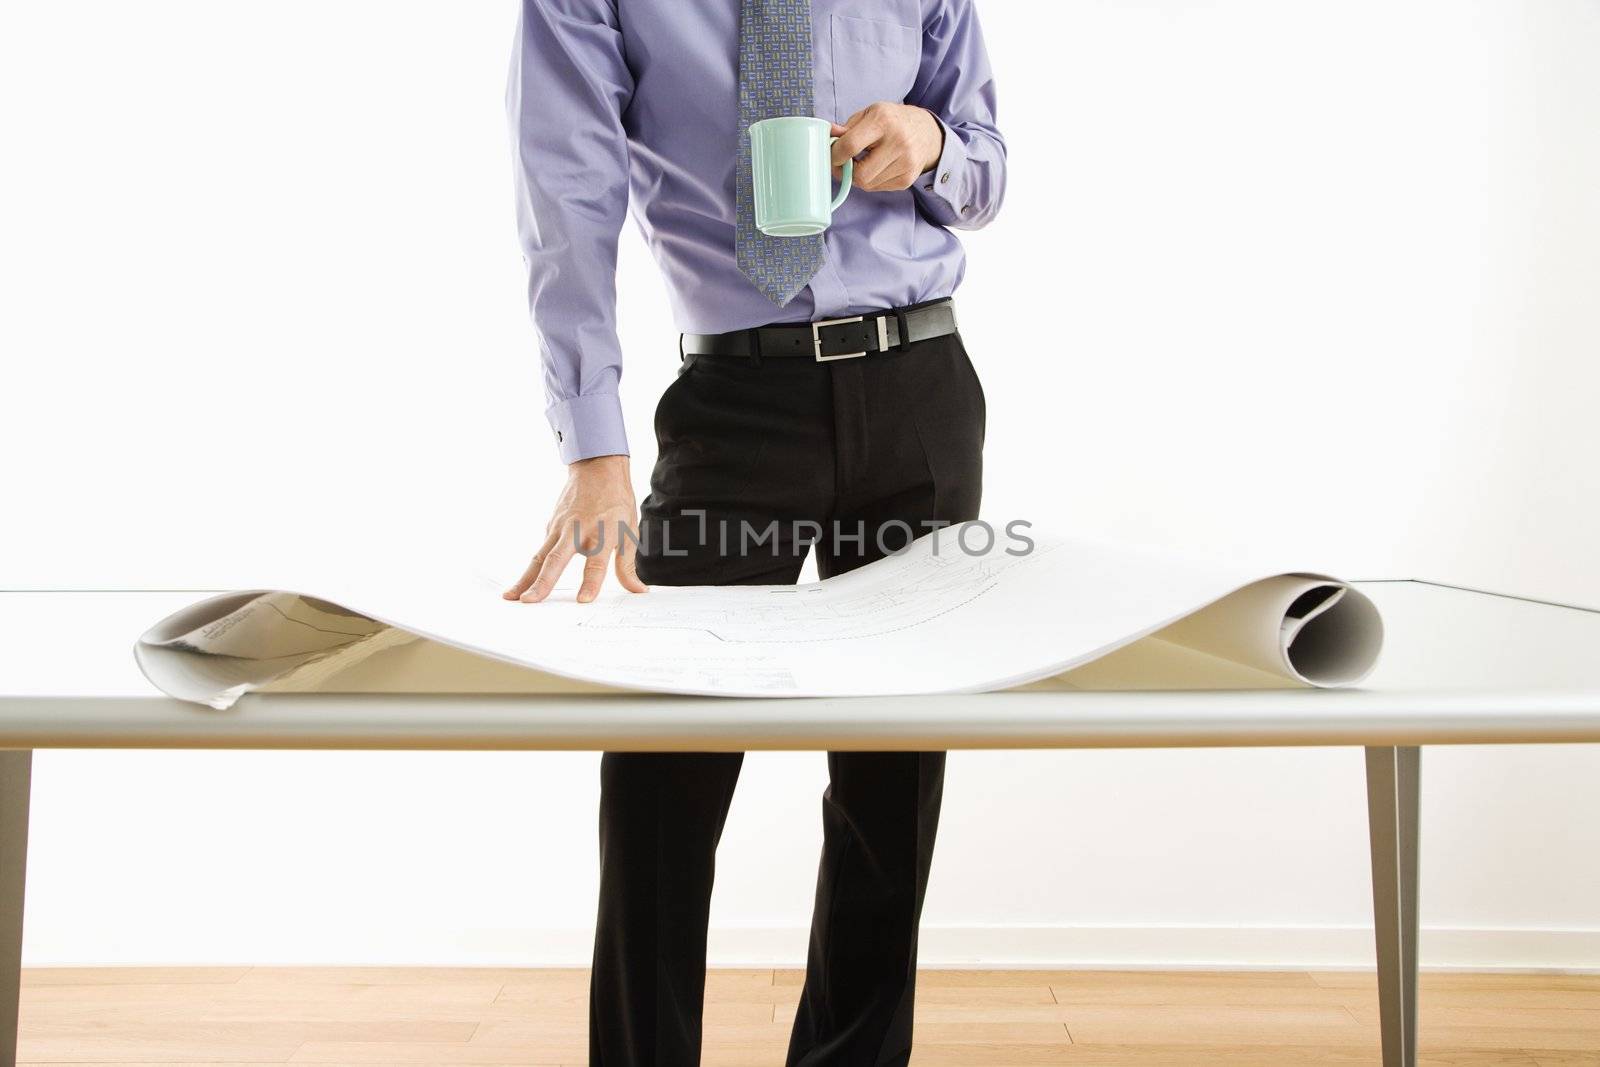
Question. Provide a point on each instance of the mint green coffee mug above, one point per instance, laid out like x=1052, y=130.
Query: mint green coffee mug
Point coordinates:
x=793, y=171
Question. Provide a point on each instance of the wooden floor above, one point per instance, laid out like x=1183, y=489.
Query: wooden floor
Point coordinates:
x=971, y=1018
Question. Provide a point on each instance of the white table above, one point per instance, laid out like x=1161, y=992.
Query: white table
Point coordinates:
x=1459, y=667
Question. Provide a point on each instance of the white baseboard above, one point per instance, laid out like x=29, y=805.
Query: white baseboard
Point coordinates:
x=967, y=946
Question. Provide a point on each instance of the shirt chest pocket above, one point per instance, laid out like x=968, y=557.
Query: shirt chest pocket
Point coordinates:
x=873, y=59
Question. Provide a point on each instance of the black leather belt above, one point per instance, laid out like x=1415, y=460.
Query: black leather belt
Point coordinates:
x=831, y=338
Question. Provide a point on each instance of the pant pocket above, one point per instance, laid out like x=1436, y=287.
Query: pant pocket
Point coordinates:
x=950, y=427
x=977, y=386
x=664, y=402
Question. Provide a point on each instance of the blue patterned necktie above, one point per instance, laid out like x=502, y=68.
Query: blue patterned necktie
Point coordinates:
x=775, y=79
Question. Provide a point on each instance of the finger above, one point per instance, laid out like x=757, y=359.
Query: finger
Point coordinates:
x=554, y=564
x=880, y=161
x=857, y=139
x=628, y=566
x=896, y=178
x=837, y=130
x=594, y=575
x=520, y=586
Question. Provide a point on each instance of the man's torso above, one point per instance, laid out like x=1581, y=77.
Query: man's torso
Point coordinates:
x=682, y=126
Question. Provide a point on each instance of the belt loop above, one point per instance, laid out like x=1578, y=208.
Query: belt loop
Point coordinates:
x=755, y=345
x=905, y=330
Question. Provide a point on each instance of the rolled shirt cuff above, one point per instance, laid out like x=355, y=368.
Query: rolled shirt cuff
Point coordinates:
x=946, y=183
x=588, y=426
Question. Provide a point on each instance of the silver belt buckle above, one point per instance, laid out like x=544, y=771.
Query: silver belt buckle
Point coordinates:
x=816, y=338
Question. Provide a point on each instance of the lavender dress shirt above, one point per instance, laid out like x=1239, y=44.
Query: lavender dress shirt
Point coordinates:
x=612, y=97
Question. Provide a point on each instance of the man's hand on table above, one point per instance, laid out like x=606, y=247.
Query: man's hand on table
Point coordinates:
x=901, y=141
x=598, y=497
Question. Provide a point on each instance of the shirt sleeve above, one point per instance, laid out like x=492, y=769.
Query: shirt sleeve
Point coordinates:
x=964, y=189
x=568, y=88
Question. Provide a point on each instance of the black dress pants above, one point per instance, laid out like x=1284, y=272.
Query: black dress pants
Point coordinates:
x=850, y=458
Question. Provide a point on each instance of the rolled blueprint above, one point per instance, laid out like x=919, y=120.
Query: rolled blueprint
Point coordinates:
x=1070, y=613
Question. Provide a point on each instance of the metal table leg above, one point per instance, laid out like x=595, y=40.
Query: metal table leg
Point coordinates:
x=1393, y=776
x=16, y=773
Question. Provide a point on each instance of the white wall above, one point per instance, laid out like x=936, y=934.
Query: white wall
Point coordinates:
x=1316, y=279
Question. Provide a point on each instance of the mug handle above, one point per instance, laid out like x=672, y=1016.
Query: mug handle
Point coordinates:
x=844, y=180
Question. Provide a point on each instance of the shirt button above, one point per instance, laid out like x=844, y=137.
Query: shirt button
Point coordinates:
x=966, y=209
x=558, y=435
x=944, y=178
